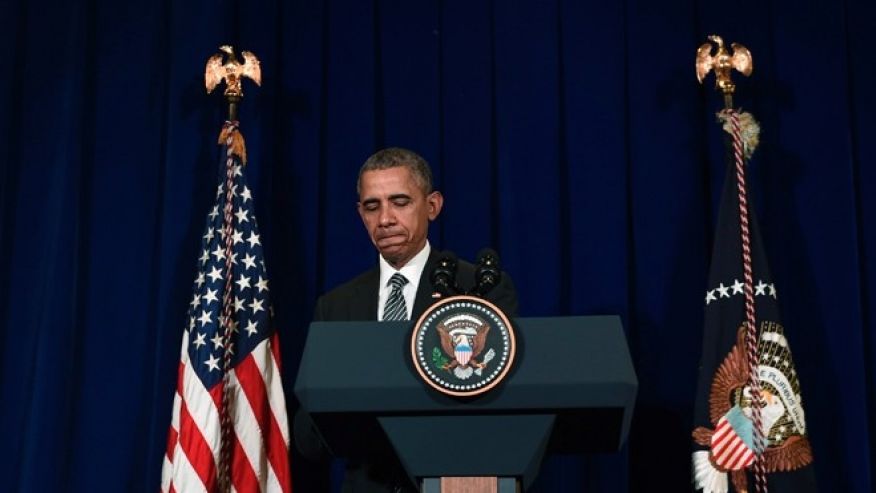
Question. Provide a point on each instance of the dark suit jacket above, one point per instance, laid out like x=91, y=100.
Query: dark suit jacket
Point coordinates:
x=357, y=300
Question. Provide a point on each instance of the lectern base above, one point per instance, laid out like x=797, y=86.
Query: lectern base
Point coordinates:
x=487, y=484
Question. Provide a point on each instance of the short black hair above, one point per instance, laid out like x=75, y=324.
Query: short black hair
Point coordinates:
x=394, y=157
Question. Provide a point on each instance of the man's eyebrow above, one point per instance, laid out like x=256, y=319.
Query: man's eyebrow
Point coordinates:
x=399, y=196
x=370, y=200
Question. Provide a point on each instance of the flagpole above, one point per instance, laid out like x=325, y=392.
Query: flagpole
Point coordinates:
x=232, y=72
x=233, y=103
x=723, y=63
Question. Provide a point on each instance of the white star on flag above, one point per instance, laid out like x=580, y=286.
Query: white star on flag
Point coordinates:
x=217, y=341
x=199, y=341
x=759, y=288
x=241, y=215
x=219, y=253
x=249, y=261
x=243, y=282
x=215, y=274
x=210, y=296
x=737, y=286
x=256, y=305
x=212, y=363
x=710, y=296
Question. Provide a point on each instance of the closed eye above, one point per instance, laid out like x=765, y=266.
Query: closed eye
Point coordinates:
x=400, y=200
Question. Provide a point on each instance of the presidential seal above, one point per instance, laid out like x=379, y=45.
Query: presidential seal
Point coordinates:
x=463, y=346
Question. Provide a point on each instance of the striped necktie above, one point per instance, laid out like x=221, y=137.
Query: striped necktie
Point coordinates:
x=395, y=307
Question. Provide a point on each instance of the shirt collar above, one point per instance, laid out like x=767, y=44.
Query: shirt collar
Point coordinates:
x=412, y=270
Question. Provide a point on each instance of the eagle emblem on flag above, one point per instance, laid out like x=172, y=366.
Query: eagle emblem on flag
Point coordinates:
x=731, y=445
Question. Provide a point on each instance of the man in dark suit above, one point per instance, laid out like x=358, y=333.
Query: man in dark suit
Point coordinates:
x=396, y=204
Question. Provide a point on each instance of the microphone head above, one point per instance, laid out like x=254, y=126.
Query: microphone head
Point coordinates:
x=488, y=256
x=448, y=259
x=443, y=275
x=488, y=273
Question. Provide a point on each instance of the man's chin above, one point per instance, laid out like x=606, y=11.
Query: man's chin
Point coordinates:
x=395, y=255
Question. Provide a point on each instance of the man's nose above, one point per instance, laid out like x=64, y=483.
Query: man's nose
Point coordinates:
x=387, y=218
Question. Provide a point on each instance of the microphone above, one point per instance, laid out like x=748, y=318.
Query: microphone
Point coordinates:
x=488, y=274
x=443, y=275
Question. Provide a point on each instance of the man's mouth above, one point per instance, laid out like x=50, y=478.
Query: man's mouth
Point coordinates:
x=390, y=240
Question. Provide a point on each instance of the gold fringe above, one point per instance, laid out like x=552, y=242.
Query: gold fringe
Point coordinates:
x=238, y=146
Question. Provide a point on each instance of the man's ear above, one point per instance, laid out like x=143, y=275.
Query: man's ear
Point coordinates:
x=434, y=201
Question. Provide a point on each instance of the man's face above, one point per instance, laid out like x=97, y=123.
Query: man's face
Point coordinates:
x=396, y=212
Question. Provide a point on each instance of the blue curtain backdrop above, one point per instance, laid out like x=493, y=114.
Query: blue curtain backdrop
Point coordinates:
x=570, y=136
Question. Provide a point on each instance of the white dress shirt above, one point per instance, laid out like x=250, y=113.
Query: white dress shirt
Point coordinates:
x=412, y=271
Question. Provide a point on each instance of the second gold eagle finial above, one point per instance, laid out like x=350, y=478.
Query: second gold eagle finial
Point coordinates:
x=723, y=62
x=232, y=71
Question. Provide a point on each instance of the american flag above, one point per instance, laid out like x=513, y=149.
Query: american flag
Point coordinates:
x=257, y=443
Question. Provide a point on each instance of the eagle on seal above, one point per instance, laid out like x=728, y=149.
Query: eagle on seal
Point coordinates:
x=463, y=338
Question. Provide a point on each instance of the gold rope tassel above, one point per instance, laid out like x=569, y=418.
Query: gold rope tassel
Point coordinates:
x=238, y=146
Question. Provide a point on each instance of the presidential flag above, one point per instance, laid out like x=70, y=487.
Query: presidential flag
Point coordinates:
x=729, y=446
x=229, y=429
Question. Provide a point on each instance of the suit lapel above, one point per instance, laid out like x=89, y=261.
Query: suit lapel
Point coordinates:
x=423, y=298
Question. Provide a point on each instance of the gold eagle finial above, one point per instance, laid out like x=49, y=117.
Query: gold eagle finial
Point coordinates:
x=723, y=62
x=232, y=71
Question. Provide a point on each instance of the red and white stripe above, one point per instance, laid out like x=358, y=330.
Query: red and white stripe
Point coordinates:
x=259, y=444
x=728, y=450
x=463, y=356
